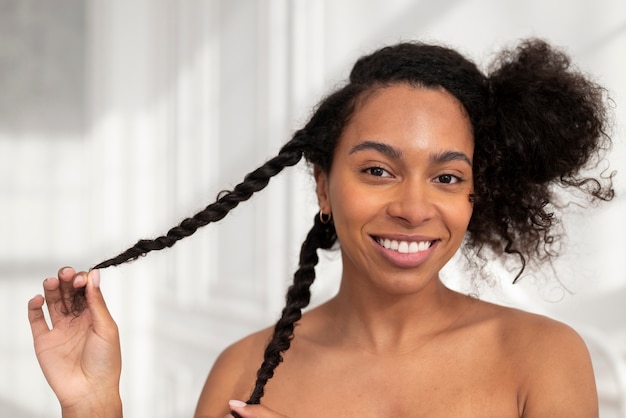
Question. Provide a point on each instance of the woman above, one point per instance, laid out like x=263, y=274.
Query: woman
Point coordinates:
x=418, y=155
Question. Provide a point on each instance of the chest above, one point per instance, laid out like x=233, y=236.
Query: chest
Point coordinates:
x=440, y=382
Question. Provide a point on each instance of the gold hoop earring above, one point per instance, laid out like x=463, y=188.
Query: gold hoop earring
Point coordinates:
x=325, y=217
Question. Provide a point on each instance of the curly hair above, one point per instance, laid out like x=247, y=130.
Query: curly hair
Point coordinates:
x=545, y=123
x=537, y=123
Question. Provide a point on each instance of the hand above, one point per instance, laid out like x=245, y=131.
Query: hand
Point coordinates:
x=80, y=356
x=252, y=411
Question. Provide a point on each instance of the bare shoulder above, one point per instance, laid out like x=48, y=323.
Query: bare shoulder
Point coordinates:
x=233, y=375
x=553, y=363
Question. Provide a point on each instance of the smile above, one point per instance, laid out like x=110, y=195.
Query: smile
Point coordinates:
x=404, y=247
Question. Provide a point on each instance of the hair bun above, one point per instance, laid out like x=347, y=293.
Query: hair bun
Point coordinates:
x=549, y=118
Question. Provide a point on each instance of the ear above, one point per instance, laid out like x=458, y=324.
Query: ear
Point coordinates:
x=321, y=181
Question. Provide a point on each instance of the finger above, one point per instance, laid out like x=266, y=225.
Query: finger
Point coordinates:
x=72, y=279
x=101, y=317
x=66, y=273
x=58, y=292
x=252, y=411
x=60, y=304
x=54, y=299
x=38, y=324
x=79, y=280
x=237, y=408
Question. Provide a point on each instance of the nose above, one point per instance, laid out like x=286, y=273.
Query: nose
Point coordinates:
x=412, y=203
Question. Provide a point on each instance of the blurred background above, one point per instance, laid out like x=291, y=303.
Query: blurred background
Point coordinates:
x=118, y=118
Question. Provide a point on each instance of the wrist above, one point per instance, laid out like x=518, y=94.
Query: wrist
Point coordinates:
x=109, y=406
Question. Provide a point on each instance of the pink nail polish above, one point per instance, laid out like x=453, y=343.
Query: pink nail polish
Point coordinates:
x=237, y=404
x=96, y=278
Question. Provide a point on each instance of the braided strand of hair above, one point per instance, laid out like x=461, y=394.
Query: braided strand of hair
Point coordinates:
x=289, y=155
x=253, y=182
x=321, y=236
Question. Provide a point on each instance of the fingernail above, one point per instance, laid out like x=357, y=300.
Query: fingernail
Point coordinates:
x=95, y=278
x=236, y=404
x=79, y=280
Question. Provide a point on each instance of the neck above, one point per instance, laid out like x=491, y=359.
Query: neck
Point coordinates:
x=392, y=324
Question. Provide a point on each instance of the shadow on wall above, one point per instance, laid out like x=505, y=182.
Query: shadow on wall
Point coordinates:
x=42, y=63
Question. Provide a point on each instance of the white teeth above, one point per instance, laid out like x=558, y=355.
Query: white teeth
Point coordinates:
x=405, y=247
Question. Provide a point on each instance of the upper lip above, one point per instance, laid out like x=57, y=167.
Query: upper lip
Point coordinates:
x=403, y=237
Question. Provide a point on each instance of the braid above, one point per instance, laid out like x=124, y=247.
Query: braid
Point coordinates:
x=290, y=154
x=321, y=236
x=253, y=182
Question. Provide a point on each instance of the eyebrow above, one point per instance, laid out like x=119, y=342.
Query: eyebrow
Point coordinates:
x=388, y=150
x=447, y=156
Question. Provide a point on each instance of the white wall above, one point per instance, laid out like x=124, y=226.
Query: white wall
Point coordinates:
x=184, y=98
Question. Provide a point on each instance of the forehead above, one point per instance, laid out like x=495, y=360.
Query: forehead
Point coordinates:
x=410, y=117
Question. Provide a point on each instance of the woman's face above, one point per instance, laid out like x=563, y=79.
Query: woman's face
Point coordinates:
x=399, y=188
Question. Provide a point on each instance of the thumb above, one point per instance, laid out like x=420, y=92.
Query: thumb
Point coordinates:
x=100, y=314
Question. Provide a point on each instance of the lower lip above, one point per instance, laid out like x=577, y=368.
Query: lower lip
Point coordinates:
x=405, y=260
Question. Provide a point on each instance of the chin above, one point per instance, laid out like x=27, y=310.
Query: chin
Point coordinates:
x=408, y=283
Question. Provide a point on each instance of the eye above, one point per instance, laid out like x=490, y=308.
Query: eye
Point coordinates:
x=447, y=179
x=377, y=172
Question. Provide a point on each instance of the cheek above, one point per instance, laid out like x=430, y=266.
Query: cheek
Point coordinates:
x=462, y=215
x=457, y=213
x=343, y=203
x=352, y=210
